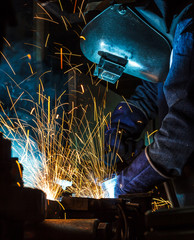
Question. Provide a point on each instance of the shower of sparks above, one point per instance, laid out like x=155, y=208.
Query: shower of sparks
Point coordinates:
x=63, y=149
x=58, y=150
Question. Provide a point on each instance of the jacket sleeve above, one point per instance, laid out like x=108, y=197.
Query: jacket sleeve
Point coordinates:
x=174, y=142
x=132, y=116
x=145, y=99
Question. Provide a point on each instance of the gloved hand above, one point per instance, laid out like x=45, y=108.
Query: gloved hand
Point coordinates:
x=120, y=158
x=140, y=176
x=127, y=123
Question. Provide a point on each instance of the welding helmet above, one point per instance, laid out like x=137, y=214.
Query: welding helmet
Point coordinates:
x=130, y=38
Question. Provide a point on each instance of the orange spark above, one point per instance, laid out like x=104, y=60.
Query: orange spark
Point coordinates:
x=32, y=109
x=67, y=21
x=29, y=56
x=19, y=168
x=117, y=84
x=61, y=53
x=49, y=108
x=45, y=10
x=83, y=38
x=46, y=19
x=30, y=44
x=82, y=16
x=7, y=42
x=127, y=104
x=139, y=121
x=75, y=6
x=80, y=11
x=149, y=135
x=61, y=5
x=82, y=87
x=16, y=101
x=31, y=68
x=72, y=110
x=64, y=23
x=46, y=42
x=74, y=68
x=8, y=62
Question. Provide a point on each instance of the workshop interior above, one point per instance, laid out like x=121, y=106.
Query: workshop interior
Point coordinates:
x=64, y=66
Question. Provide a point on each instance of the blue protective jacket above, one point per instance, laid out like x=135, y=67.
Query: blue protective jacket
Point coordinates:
x=173, y=144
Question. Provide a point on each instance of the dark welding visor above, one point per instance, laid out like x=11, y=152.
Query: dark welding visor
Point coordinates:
x=119, y=41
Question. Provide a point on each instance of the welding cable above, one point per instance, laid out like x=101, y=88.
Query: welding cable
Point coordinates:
x=123, y=216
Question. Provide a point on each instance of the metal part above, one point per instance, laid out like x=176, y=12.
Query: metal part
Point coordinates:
x=10, y=168
x=70, y=229
x=22, y=204
x=170, y=224
x=116, y=216
x=118, y=41
x=170, y=192
x=17, y=204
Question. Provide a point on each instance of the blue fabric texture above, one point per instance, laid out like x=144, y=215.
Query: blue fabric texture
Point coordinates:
x=173, y=144
x=138, y=177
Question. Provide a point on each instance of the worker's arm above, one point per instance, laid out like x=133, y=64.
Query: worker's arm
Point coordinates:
x=127, y=123
x=174, y=142
x=145, y=99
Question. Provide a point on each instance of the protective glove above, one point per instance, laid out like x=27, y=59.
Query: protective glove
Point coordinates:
x=140, y=176
x=122, y=157
x=127, y=123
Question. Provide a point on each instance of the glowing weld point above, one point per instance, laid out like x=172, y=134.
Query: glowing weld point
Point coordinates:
x=83, y=38
x=64, y=183
x=109, y=187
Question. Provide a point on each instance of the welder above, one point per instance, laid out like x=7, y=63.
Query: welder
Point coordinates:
x=170, y=155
